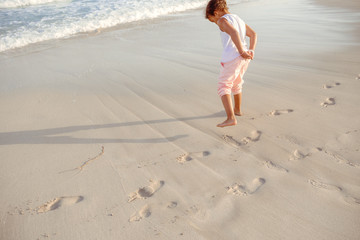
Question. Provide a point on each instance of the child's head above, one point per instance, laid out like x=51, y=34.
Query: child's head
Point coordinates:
x=215, y=5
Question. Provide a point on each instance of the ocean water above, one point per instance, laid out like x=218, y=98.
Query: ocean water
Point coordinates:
x=23, y=22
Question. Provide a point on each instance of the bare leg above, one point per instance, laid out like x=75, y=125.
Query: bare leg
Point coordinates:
x=231, y=120
x=237, y=100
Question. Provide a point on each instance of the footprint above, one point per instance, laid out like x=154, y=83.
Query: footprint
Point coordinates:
x=339, y=159
x=328, y=102
x=269, y=164
x=327, y=86
x=144, y=212
x=186, y=157
x=351, y=200
x=230, y=140
x=297, y=155
x=318, y=184
x=237, y=189
x=243, y=190
x=174, y=219
x=350, y=132
x=146, y=192
x=59, y=202
x=280, y=112
x=172, y=205
x=254, y=137
x=347, y=198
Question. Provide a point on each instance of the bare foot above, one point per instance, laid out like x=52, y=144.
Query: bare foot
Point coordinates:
x=238, y=113
x=228, y=122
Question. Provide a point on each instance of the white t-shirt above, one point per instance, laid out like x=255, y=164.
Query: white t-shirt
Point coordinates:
x=230, y=51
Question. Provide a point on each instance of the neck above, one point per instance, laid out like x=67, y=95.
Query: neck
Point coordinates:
x=219, y=14
x=222, y=13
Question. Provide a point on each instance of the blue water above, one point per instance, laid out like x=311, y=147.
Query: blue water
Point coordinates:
x=23, y=22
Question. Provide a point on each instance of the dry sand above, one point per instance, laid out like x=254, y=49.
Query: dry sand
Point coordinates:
x=113, y=136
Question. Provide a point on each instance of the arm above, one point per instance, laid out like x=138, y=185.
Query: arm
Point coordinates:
x=253, y=38
x=225, y=26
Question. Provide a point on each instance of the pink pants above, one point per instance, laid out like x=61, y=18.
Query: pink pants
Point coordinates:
x=231, y=76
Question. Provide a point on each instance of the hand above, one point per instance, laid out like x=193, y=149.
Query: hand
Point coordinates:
x=247, y=55
x=251, y=53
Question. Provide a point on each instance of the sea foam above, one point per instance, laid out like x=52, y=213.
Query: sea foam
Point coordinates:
x=35, y=23
x=24, y=3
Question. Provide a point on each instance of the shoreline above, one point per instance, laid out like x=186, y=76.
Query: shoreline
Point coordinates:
x=45, y=44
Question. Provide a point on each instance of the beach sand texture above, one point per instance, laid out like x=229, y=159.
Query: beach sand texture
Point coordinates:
x=113, y=135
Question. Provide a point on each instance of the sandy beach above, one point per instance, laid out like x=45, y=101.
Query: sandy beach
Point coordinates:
x=112, y=135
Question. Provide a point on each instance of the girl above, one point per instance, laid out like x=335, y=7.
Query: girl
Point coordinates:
x=235, y=57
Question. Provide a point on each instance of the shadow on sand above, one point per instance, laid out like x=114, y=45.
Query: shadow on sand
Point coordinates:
x=48, y=136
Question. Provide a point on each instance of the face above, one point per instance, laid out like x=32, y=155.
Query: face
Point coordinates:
x=212, y=19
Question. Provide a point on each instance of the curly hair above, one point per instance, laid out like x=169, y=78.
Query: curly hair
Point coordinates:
x=215, y=5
